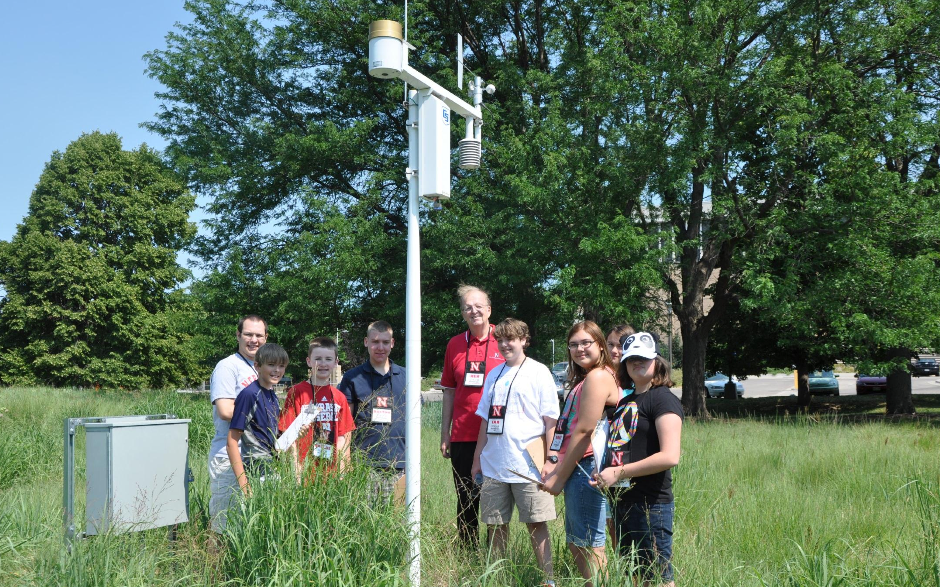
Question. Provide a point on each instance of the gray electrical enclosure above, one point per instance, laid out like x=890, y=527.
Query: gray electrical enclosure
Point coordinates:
x=137, y=473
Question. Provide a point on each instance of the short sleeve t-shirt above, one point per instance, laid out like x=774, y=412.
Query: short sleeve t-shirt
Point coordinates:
x=531, y=393
x=642, y=410
x=366, y=391
x=570, y=413
x=231, y=375
x=466, y=424
x=256, y=414
x=333, y=421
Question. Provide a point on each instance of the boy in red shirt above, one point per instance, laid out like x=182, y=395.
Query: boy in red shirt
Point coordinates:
x=328, y=440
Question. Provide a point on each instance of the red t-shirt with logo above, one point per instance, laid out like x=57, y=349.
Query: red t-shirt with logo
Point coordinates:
x=334, y=420
x=466, y=424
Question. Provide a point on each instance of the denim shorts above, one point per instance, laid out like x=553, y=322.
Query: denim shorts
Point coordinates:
x=648, y=528
x=585, y=509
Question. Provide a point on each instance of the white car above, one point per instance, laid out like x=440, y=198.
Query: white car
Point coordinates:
x=560, y=373
x=715, y=385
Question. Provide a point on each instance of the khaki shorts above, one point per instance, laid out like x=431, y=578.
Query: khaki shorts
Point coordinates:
x=224, y=487
x=497, y=499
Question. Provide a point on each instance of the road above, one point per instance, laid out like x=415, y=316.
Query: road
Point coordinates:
x=782, y=385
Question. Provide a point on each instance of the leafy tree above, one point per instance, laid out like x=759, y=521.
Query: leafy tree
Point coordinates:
x=91, y=274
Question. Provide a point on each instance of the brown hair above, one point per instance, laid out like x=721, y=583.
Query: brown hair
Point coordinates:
x=271, y=353
x=380, y=326
x=512, y=328
x=577, y=373
x=253, y=318
x=661, y=376
x=322, y=342
x=622, y=330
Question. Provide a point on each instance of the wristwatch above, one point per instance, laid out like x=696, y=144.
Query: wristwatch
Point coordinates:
x=553, y=459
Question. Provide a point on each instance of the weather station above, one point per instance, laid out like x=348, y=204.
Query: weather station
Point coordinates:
x=430, y=108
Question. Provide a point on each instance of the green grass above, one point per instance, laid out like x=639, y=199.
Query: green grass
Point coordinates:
x=778, y=499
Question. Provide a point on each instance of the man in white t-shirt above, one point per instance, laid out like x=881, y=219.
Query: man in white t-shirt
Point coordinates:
x=519, y=407
x=231, y=375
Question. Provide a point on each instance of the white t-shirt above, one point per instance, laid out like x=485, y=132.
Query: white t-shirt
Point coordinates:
x=231, y=375
x=533, y=397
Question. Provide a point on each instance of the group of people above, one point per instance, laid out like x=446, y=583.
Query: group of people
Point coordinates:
x=248, y=417
x=511, y=445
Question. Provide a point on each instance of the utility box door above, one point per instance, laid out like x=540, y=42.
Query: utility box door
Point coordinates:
x=137, y=475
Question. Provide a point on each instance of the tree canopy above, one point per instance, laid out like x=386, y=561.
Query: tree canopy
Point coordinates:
x=634, y=154
x=91, y=275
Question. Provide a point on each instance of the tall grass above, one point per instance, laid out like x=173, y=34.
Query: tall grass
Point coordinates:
x=796, y=502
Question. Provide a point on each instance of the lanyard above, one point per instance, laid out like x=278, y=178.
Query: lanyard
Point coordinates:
x=247, y=362
x=492, y=401
x=486, y=352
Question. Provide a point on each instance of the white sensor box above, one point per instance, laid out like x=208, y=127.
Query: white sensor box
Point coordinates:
x=433, y=148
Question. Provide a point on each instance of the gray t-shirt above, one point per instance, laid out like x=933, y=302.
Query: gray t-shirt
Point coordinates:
x=231, y=375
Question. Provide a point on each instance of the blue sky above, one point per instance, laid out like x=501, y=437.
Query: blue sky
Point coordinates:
x=68, y=68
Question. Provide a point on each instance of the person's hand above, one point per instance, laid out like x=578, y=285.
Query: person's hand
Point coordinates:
x=605, y=478
x=445, y=448
x=304, y=430
x=476, y=469
x=548, y=469
x=246, y=489
x=552, y=485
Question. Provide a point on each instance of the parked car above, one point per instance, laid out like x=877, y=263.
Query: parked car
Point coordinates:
x=823, y=383
x=560, y=372
x=715, y=385
x=870, y=384
x=926, y=367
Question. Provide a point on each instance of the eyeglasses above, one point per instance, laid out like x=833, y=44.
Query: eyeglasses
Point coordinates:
x=584, y=344
x=471, y=309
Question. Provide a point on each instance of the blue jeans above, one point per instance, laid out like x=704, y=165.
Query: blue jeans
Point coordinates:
x=585, y=509
x=648, y=528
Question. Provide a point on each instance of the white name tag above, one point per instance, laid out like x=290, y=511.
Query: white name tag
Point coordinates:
x=495, y=426
x=473, y=379
x=382, y=415
x=322, y=450
x=556, y=441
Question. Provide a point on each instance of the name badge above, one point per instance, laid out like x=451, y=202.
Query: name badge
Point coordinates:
x=382, y=410
x=496, y=420
x=556, y=441
x=322, y=450
x=474, y=373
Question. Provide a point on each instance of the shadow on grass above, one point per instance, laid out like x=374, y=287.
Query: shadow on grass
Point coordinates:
x=848, y=409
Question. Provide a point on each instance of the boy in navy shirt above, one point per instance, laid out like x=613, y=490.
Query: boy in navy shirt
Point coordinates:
x=254, y=419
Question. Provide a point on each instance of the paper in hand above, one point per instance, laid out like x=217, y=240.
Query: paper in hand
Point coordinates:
x=599, y=443
x=308, y=415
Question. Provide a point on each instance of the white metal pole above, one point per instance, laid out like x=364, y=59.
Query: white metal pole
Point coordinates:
x=413, y=350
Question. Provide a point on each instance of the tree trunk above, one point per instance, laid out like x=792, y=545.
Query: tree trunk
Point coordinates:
x=694, y=345
x=802, y=385
x=898, y=399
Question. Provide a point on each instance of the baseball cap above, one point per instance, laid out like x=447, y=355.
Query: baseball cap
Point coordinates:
x=641, y=344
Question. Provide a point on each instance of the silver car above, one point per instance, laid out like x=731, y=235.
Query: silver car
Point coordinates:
x=715, y=385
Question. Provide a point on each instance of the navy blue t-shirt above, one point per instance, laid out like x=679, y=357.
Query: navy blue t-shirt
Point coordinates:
x=256, y=414
x=367, y=390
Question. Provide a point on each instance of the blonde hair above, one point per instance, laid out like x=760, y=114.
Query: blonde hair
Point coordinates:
x=464, y=290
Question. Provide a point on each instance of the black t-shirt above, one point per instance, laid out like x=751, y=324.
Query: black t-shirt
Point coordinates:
x=656, y=488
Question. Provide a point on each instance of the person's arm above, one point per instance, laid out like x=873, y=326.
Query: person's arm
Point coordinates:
x=295, y=460
x=481, y=444
x=447, y=417
x=669, y=429
x=235, y=457
x=343, y=453
x=598, y=386
x=225, y=407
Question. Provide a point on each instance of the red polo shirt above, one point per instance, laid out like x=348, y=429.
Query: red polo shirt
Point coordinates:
x=466, y=424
